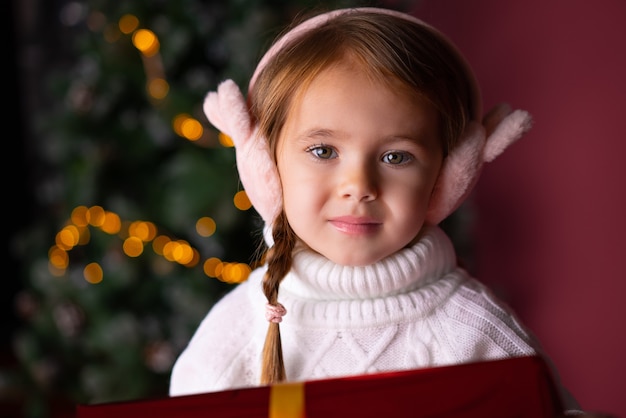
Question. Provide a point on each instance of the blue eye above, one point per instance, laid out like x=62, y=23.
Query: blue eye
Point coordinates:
x=396, y=157
x=322, y=152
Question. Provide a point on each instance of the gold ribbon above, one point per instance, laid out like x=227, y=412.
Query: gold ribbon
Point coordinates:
x=287, y=400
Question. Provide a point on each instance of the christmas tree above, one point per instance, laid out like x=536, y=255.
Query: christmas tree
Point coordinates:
x=141, y=223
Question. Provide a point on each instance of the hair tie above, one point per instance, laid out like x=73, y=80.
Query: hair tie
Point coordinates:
x=275, y=313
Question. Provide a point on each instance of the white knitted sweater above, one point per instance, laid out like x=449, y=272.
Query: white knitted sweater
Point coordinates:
x=411, y=310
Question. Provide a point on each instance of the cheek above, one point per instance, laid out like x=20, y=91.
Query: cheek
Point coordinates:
x=291, y=196
x=409, y=204
x=294, y=191
x=298, y=192
x=299, y=206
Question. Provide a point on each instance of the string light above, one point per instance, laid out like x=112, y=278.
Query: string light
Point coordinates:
x=134, y=239
x=225, y=140
x=241, y=201
x=205, y=226
x=187, y=127
x=93, y=273
x=136, y=234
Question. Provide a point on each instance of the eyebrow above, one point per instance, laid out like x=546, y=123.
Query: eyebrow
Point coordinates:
x=321, y=133
x=316, y=133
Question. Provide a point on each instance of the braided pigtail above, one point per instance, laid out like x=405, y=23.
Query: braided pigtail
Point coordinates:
x=279, y=259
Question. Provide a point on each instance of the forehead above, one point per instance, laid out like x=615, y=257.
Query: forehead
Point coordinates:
x=342, y=102
x=377, y=76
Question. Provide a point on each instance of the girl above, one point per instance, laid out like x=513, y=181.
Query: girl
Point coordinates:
x=362, y=132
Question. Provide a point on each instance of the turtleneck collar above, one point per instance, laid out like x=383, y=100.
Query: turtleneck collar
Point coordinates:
x=314, y=277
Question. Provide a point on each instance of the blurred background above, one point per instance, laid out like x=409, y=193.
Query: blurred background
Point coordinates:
x=125, y=220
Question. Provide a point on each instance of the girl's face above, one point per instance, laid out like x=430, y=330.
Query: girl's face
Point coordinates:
x=357, y=162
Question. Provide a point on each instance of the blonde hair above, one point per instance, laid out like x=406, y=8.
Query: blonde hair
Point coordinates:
x=390, y=49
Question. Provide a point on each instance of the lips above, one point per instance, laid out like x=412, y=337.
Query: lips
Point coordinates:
x=353, y=225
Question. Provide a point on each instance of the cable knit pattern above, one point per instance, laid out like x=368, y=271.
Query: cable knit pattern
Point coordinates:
x=413, y=309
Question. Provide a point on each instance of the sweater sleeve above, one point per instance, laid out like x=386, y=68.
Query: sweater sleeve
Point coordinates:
x=224, y=352
x=485, y=328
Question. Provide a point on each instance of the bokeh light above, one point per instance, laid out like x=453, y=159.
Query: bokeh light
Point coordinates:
x=128, y=23
x=225, y=140
x=133, y=247
x=241, y=201
x=205, y=226
x=158, y=88
x=146, y=41
x=93, y=273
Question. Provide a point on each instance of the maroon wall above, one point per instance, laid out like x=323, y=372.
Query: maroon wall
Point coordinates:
x=551, y=211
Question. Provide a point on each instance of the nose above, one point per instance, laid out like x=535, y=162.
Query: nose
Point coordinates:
x=358, y=181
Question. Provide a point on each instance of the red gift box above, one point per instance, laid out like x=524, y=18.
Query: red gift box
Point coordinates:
x=519, y=387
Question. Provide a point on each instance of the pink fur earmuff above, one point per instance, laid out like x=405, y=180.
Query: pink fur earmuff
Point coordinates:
x=484, y=139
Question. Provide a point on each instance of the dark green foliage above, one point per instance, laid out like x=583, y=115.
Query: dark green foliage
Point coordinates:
x=95, y=138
